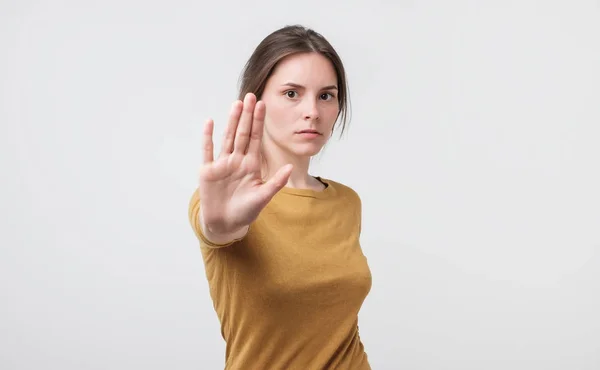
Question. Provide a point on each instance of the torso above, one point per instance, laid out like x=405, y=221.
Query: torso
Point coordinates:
x=289, y=293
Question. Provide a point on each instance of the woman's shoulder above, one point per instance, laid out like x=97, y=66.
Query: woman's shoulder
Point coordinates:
x=343, y=189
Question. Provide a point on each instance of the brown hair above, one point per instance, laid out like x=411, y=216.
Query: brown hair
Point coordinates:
x=282, y=43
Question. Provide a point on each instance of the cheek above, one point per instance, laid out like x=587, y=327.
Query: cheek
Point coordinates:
x=331, y=116
x=279, y=118
x=276, y=124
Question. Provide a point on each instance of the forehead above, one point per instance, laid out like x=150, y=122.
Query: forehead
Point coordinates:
x=308, y=69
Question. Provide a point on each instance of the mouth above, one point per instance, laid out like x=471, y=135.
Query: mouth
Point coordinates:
x=309, y=132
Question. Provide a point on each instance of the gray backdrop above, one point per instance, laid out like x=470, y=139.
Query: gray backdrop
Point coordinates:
x=473, y=144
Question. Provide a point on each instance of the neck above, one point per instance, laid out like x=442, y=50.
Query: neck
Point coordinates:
x=276, y=158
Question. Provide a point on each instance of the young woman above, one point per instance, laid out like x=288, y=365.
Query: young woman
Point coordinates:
x=280, y=247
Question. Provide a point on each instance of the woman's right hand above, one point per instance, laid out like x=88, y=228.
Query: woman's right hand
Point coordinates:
x=231, y=190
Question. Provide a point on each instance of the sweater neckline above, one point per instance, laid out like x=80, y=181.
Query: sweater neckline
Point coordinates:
x=319, y=194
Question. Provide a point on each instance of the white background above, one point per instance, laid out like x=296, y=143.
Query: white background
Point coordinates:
x=474, y=144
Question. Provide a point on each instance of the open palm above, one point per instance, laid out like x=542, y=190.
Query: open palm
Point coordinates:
x=231, y=188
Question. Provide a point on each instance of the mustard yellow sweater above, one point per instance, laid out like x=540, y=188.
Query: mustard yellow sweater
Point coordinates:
x=288, y=294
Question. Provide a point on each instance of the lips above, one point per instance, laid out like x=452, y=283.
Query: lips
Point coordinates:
x=309, y=132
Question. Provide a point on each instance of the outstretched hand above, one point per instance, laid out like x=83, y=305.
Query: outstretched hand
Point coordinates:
x=230, y=187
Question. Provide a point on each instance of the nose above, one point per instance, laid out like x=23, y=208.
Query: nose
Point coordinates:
x=311, y=110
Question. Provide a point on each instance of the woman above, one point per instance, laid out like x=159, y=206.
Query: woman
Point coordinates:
x=281, y=247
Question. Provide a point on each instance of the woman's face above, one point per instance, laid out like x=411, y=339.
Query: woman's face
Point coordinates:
x=301, y=100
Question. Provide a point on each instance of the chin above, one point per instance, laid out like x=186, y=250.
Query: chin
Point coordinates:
x=306, y=150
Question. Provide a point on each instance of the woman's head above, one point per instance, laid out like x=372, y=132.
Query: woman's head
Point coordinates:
x=302, y=81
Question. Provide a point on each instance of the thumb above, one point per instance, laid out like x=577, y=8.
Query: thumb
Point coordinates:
x=276, y=183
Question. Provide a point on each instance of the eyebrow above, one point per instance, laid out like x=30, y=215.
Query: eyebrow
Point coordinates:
x=291, y=84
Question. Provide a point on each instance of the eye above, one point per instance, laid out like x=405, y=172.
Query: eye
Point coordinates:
x=291, y=94
x=327, y=96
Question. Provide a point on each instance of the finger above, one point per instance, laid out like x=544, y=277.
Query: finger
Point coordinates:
x=276, y=183
x=208, y=145
x=242, y=135
x=229, y=135
x=257, y=128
